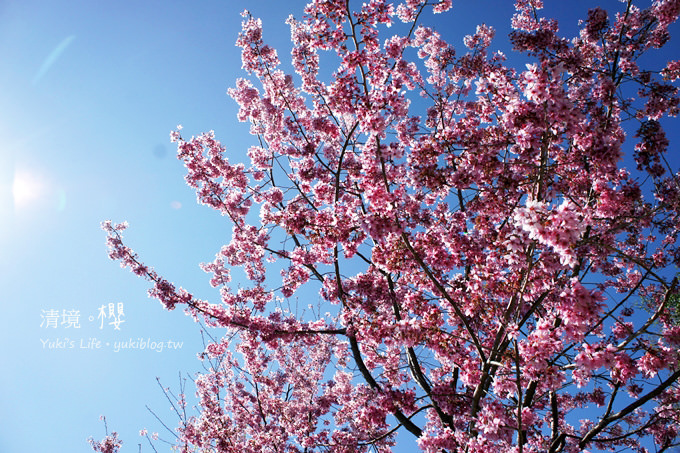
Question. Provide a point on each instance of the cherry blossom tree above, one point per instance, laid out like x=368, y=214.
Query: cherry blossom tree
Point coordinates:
x=471, y=248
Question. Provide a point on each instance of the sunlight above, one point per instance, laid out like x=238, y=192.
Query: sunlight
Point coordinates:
x=27, y=188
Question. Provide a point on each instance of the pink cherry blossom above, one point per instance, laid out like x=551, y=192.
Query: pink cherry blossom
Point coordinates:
x=480, y=270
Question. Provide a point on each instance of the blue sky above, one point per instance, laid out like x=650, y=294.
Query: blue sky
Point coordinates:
x=89, y=93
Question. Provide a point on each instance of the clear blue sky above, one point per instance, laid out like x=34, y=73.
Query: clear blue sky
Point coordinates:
x=89, y=93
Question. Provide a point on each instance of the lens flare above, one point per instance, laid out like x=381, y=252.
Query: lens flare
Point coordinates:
x=27, y=188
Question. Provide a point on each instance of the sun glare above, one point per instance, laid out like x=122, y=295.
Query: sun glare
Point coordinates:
x=27, y=188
